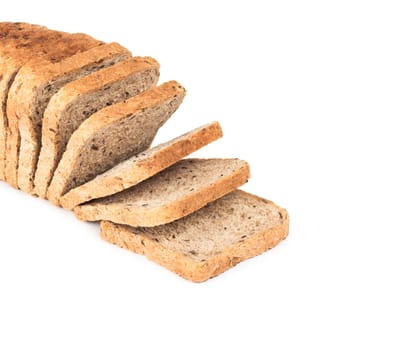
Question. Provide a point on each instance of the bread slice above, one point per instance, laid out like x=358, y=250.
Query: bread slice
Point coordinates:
x=210, y=241
x=21, y=43
x=113, y=135
x=142, y=166
x=79, y=99
x=170, y=195
x=28, y=97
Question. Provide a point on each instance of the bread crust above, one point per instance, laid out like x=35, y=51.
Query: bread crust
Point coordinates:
x=130, y=238
x=151, y=99
x=24, y=136
x=21, y=43
x=143, y=168
x=53, y=130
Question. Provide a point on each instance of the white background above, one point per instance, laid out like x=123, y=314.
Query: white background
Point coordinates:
x=305, y=91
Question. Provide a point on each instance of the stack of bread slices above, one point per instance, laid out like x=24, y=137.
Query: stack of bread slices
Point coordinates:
x=77, y=119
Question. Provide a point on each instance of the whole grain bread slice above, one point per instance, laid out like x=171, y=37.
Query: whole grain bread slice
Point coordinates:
x=113, y=135
x=78, y=100
x=142, y=166
x=21, y=43
x=210, y=241
x=33, y=86
x=172, y=194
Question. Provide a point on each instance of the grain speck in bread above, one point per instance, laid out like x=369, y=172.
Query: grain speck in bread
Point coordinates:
x=28, y=97
x=142, y=166
x=79, y=99
x=210, y=241
x=21, y=43
x=172, y=194
x=113, y=135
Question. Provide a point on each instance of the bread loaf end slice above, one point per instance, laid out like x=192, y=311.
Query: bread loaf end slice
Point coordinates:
x=210, y=241
x=113, y=135
x=172, y=194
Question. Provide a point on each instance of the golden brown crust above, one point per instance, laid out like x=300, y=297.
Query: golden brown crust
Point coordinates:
x=6, y=79
x=22, y=101
x=21, y=43
x=103, y=186
x=61, y=101
x=99, y=121
x=126, y=237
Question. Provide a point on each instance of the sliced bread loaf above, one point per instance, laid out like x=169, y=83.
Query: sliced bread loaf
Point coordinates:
x=113, y=135
x=28, y=97
x=210, y=241
x=142, y=166
x=79, y=99
x=170, y=195
x=21, y=43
